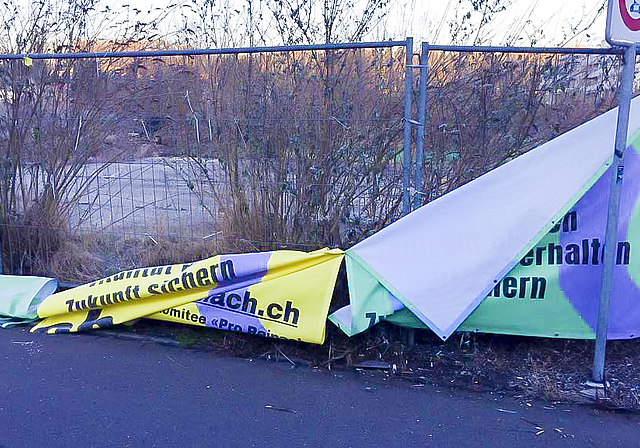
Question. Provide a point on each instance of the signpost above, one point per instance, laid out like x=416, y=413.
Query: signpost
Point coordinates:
x=623, y=30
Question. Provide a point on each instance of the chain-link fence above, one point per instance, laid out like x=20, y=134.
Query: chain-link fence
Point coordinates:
x=115, y=160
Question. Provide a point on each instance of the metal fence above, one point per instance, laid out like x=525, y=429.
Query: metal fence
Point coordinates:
x=111, y=160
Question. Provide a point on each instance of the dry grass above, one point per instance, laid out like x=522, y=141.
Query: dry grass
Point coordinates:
x=89, y=256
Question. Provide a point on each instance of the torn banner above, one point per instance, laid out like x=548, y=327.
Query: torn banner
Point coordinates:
x=492, y=236
x=280, y=294
x=554, y=290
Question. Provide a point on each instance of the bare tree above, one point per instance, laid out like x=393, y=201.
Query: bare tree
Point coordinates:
x=326, y=21
x=52, y=116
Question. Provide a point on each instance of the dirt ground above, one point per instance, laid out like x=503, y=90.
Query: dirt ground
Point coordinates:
x=553, y=370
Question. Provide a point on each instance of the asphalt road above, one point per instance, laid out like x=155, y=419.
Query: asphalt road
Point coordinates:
x=89, y=391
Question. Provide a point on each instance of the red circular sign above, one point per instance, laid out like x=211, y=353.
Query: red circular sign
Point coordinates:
x=630, y=22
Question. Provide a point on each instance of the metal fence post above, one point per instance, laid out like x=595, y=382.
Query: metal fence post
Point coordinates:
x=422, y=113
x=406, y=152
x=610, y=245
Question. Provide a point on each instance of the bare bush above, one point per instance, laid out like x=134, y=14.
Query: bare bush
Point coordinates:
x=308, y=142
x=54, y=116
x=486, y=108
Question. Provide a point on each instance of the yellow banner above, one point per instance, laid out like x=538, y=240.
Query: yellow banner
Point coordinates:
x=281, y=294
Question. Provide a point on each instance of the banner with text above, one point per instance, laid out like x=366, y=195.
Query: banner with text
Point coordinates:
x=280, y=294
x=518, y=250
x=554, y=290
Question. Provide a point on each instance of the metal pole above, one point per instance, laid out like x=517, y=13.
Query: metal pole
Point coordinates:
x=610, y=245
x=1, y=269
x=406, y=152
x=537, y=50
x=422, y=113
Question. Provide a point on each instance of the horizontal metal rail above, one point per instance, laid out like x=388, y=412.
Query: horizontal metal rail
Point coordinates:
x=548, y=50
x=318, y=47
x=206, y=51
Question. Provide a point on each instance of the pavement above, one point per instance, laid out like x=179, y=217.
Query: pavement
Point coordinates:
x=84, y=390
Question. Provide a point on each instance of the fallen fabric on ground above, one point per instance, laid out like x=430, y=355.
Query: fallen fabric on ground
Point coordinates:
x=20, y=297
x=279, y=294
